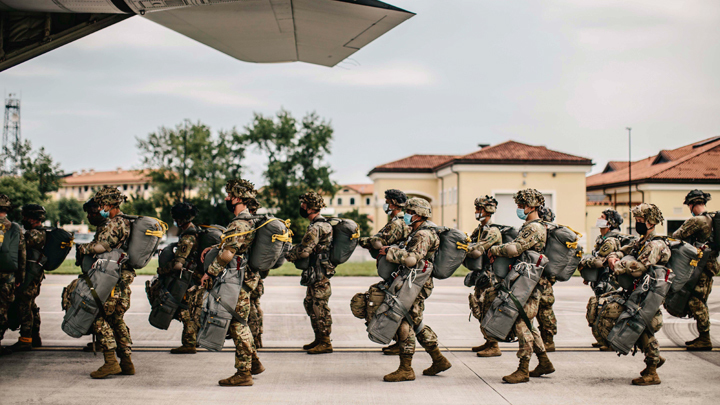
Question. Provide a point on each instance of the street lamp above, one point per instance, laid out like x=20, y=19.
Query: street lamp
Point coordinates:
x=629, y=180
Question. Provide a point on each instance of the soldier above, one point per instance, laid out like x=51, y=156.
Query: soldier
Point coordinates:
x=9, y=279
x=255, y=319
x=532, y=236
x=482, y=239
x=394, y=232
x=111, y=327
x=237, y=239
x=315, y=246
x=648, y=251
x=92, y=209
x=547, y=323
x=698, y=231
x=28, y=311
x=418, y=253
x=186, y=257
x=606, y=243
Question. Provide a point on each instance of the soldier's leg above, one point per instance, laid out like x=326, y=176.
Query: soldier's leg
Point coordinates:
x=104, y=331
x=190, y=320
x=406, y=342
x=321, y=293
x=546, y=316
x=525, y=348
x=475, y=301
x=592, y=315
x=699, y=311
x=24, y=302
x=36, y=341
x=244, y=347
x=255, y=318
x=120, y=328
x=7, y=296
x=651, y=349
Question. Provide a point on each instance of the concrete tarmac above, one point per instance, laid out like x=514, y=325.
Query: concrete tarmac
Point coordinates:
x=59, y=372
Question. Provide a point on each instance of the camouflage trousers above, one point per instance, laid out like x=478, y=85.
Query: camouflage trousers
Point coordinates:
x=647, y=341
x=255, y=320
x=545, y=315
x=190, y=317
x=28, y=311
x=317, y=308
x=406, y=334
x=112, y=330
x=7, y=296
x=697, y=306
x=480, y=300
x=592, y=316
x=240, y=333
x=529, y=340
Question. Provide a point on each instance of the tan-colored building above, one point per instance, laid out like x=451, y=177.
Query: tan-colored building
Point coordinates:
x=663, y=179
x=451, y=183
x=351, y=197
x=82, y=185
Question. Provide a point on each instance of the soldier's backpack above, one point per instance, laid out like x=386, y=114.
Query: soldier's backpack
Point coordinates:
x=508, y=234
x=58, y=243
x=145, y=236
x=219, y=308
x=685, y=264
x=346, y=235
x=562, y=250
x=386, y=269
x=399, y=298
x=168, y=290
x=9, y=248
x=451, y=253
x=271, y=236
x=91, y=291
x=514, y=292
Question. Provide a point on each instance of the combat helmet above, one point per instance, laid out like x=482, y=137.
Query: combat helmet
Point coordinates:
x=529, y=198
x=697, y=197
x=488, y=203
x=649, y=212
x=396, y=197
x=109, y=196
x=33, y=211
x=419, y=206
x=546, y=214
x=183, y=212
x=5, y=204
x=252, y=204
x=240, y=188
x=613, y=218
x=313, y=200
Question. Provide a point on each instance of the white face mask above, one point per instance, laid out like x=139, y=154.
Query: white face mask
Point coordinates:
x=601, y=223
x=477, y=216
x=386, y=208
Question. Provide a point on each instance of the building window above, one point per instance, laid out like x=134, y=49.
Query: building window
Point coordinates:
x=367, y=201
x=146, y=186
x=124, y=186
x=86, y=188
x=352, y=201
x=339, y=201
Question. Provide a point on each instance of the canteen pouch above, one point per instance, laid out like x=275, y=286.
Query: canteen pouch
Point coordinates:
x=145, y=236
x=58, y=243
x=451, y=253
x=563, y=252
x=346, y=235
x=215, y=319
x=9, y=249
x=172, y=289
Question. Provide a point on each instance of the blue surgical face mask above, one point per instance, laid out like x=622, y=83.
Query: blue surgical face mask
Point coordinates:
x=408, y=219
x=386, y=208
x=104, y=214
x=521, y=214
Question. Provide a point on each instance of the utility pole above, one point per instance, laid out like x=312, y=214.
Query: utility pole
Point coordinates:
x=629, y=180
x=184, y=161
x=10, y=152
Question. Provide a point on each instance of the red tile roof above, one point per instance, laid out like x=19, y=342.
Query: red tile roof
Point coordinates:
x=414, y=163
x=695, y=163
x=114, y=177
x=361, y=188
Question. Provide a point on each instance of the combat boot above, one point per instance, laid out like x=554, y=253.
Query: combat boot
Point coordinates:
x=481, y=347
x=650, y=377
x=392, y=350
x=184, y=350
x=492, y=350
x=126, y=364
x=439, y=362
x=24, y=344
x=313, y=343
x=689, y=342
x=606, y=349
x=520, y=375
x=660, y=363
x=36, y=341
x=110, y=367
x=544, y=367
x=597, y=345
x=702, y=344
x=257, y=366
x=404, y=372
x=240, y=379
x=548, y=341
x=323, y=346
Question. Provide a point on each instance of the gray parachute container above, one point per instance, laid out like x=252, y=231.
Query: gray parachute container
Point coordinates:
x=167, y=255
x=474, y=264
x=58, y=243
x=684, y=262
x=625, y=280
x=215, y=319
x=209, y=236
x=302, y=263
x=173, y=287
x=281, y=260
x=562, y=250
x=588, y=274
x=452, y=251
x=508, y=234
x=145, y=236
x=271, y=235
x=385, y=269
x=399, y=298
x=521, y=281
x=346, y=235
x=210, y=258
x=103, y=276
x=501, y=265
x=9, y=249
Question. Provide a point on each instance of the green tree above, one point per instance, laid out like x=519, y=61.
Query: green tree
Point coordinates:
x=20, y=192
x=39, y=167
x=65, y=211
x=362, y=220
x=138, y=205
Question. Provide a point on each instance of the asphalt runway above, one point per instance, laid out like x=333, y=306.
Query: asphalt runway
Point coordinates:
x=58, y=373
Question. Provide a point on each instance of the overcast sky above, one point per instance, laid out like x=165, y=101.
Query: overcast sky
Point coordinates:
x=567, y=74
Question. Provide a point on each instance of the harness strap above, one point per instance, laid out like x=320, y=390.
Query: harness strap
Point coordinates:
x=96, y=297
x=519, y=307
x=405, y=312
x=227, y=307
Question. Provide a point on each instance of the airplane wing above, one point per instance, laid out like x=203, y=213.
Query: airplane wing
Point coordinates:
x=322, y=32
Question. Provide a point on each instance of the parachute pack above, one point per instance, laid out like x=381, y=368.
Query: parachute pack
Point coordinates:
x=169, y=290
x=562, y=250
x=346, y=236
x=685, y=262
x=145, y=236
x=451, y=253
x=272, y=236
x=9, y=249
x=219, y=308
x=58, y=243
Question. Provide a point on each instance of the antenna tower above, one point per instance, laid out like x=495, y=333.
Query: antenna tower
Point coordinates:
x=11, y=135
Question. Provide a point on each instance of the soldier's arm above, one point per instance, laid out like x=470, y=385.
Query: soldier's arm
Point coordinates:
x=185, y=248
x=306, y=245
x=523, y=242
x=233, y=240
x=35, y=239
x=687, y=229
x=649, y=256
x=22, y=260
x=415, y=251
x=611, y=246
x=489, y=238
x=111, y=235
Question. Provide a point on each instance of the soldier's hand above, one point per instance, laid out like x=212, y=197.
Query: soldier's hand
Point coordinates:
x=205, y=280
x=611, y=262
x=383, y=251
x=202, y=255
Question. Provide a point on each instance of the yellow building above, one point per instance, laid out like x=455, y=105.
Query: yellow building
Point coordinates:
x=82, y=185
x=663, y=180
x=351, y=197
x=451, y=183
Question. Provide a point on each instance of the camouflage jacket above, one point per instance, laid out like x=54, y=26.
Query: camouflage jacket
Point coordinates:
x=112, y=235
x=421, y=244
x=648, y=251
x=317, y=239
x=35, y=238
x=485, y=237
x=696, y=230
x=532, y=236
x=394, y=232
x=237, y=238
x=604, y=245
x=186, y=252
x=5, y=225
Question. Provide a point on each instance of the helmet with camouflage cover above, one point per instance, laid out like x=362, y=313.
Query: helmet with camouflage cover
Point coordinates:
x=419, y=206
x=5, y=204
x=252, y=204
x=33, y=211
x=396, y=197
x=546, y=214
x=183, y=212
x=488, y=203
x=529, y=198
x=649, y=212
x=613, y=218
x=313, y=200
x=109, y=196
x=240, y=188
x=697, y=197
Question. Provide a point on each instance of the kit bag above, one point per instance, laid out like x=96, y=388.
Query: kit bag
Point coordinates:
x=346, y=235
x=219, y=309
x=209, y=236
x=562, y=250
x=271, y=236
x=451, y=253
x=145, y=236
x=58, y=243
x=91, y=291
x=172, y=289
x=685, y=265
x=9, y=249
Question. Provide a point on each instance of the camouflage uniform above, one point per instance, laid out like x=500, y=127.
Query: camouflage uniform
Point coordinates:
x=394, y=232
x=483, y=238
x=28, y=311
x=255, y=319
x=8, y=280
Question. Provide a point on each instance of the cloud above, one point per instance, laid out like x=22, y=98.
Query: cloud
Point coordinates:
x=216, y=92
x=393, y=75
x=32, y=71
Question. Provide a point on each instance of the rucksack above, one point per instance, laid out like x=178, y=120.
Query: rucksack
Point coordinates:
x=561, y=248
x=271, y=236
x=219, y=302
x=684, y=260
x=508, y=234
x=145, y=236
x=346, y=235
x=58, y=243
x=451, y=253
x=209, y=236
x=9, y=249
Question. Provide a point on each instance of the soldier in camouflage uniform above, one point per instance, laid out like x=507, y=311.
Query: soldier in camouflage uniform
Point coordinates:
x=645, y=253
x=315, y=246
x=186, y=258
x=698, y=231
x=237, y=239
x=111, y=328
x=9, y=279
x=418, y=253
x=482, y=239
x=532, y=236
x=547, y=323
x=92, y=209
x=255, y=319
x=606, y=243
x=27, y=292
x=394, y=232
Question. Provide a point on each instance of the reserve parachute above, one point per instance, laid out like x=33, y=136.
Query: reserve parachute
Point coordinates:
x=219, y=304
x=145, y=236
x=687, y=265
x=346, y=234
x=9, y=249
x=562, y=250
